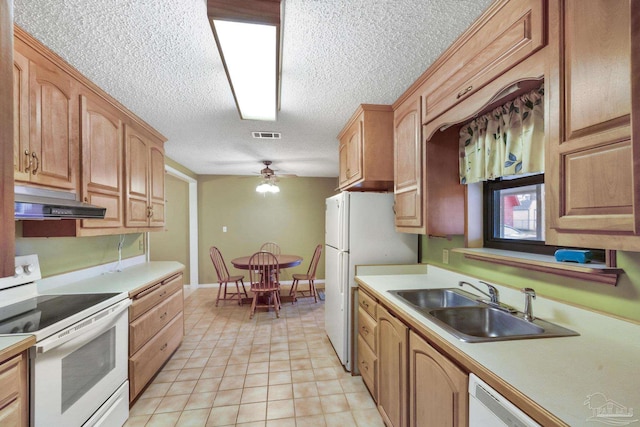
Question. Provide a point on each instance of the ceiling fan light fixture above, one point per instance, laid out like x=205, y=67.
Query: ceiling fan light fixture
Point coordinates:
x=267, y=187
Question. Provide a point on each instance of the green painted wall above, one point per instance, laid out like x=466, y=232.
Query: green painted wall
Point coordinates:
x=59, y=255
x=622, y=300
x=172, y=243
x=294, y=218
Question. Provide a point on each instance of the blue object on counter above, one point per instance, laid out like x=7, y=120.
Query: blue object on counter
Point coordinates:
x=581, y=256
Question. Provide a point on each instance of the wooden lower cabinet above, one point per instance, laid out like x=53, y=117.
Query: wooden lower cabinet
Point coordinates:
x=14, y=398
x=156, y=328
x=392, y=340
x=416, y=385
x=367, y=361
x=437, y=388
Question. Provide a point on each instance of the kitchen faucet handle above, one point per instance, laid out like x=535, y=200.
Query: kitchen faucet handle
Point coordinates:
x=493, y=292
x=529, y=294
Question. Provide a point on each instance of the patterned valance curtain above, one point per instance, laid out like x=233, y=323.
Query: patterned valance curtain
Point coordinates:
x=506, y=141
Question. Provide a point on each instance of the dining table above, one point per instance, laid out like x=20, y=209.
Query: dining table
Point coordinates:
x=283, y=261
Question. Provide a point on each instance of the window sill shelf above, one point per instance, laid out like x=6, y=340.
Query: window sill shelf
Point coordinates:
x=593, y=272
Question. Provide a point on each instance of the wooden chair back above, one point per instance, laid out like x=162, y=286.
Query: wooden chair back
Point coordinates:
x=311, y=272
x=218, y=264
x=263, y=271
x=270, y=247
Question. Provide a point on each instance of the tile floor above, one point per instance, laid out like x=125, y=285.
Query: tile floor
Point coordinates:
x=232, y=370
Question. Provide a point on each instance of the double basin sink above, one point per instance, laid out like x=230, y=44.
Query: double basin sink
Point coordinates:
x=470, y=319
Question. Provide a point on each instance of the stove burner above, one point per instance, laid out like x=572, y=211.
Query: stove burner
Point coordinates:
x=42, y=311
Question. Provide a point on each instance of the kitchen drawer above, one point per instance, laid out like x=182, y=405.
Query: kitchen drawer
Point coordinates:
x=367, y=364
x=367, y=303
x=144, y=300
x=367, y=328
x=144, y=364
x=10, y=378
x=508, y=35
x=13, y=391
x=146, y=326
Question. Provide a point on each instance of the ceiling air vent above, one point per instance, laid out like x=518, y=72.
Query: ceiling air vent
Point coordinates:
x=266, y=135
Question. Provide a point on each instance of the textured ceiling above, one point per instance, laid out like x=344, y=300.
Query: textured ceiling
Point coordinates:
x=158, y=58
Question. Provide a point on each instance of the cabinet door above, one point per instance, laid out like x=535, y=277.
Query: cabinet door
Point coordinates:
x=392, y=369
x=156, y=183
x=408, y=165
x=21, y=152
x=53, y=138
x=437, y=388
x=101, y=141
x=354, y=152
x=7, y=227
x=137, y=178
x=591, y=157
x=342, y=177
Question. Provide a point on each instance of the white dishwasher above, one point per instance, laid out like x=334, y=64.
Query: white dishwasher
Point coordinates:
x=487, y=407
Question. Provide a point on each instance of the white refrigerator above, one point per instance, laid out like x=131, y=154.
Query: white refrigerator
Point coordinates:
x=359, y=229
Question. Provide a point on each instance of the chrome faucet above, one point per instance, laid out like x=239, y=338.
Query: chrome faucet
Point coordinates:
x=528, y=306
x=493, y=292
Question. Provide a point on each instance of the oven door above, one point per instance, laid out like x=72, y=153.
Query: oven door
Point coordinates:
x=76, y=371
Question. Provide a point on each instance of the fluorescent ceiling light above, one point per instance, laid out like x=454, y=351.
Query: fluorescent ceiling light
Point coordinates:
x=249, y=52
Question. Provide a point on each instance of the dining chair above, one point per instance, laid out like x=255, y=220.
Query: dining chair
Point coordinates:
x=272, y=247
x=224, y=278
x=310, y=277
x=264, y=276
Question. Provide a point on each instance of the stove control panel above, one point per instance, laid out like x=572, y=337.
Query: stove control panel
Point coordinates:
x=27, y=270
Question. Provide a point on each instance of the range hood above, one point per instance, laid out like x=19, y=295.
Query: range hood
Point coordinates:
x=37, y=203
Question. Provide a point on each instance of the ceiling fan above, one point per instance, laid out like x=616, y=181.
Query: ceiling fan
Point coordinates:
x=270, y=174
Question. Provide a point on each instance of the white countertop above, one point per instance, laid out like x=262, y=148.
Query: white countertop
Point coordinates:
x=559, y=374
x=127, y=280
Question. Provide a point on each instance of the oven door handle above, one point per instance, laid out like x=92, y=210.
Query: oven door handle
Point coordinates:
x=89, y=328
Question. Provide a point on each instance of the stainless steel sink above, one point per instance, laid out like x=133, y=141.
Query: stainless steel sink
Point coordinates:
x=468, y=318
x=437, y=298
x=484, y=323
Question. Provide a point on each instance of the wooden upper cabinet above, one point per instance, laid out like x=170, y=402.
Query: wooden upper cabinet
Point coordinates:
x=437, y=388
x=407, y=129
x=593, y=158
x=21, y=152
x=156, y=184
x=507, y=33
x=7, y=108
x=429, y=198
x=101, y=133
x=366, y=149
x=144, y=180
x=51, y=157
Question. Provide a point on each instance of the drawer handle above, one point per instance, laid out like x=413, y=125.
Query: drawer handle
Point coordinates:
x=164, y=347
x=28, y=161
x=163, y=293
x=365, y=330
x=365, y=304
x=365, y=365
x=464, y=91
x=147, y=291
x=35, y=157
x=163, y=315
